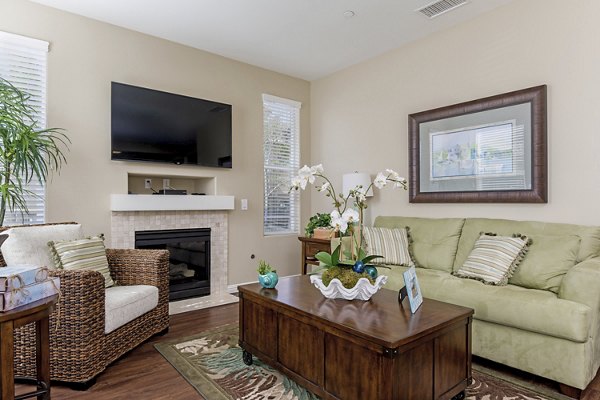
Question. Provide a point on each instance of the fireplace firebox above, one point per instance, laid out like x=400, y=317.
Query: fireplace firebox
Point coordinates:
x=189, y=258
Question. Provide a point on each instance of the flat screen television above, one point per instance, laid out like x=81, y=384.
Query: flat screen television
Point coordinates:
x=150, y=125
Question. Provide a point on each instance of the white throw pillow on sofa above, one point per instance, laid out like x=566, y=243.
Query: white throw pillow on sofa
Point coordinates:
x=29, y=244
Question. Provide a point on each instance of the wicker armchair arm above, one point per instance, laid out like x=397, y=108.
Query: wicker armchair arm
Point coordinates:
x=76, y=330
x=81, y=303
x=143, y=267
x=139, y=267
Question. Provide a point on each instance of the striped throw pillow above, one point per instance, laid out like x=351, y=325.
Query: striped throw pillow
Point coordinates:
x=391, y=244
x=86, y=254
x=494, y=258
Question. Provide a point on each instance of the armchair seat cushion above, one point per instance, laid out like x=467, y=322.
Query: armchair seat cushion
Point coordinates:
x=126, y=303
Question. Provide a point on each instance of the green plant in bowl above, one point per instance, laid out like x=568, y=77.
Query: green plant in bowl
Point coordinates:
x=264, y=268
x=267, y=276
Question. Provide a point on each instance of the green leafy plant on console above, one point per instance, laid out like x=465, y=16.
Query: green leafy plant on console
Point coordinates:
x=319, y=220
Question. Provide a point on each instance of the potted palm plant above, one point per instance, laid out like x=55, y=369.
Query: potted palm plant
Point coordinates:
x=26, y=151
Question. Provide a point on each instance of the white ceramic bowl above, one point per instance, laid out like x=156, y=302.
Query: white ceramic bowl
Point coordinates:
x=362, y=291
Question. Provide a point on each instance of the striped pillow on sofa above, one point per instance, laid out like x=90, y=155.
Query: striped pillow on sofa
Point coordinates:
x=494, y=258
x=391, y=244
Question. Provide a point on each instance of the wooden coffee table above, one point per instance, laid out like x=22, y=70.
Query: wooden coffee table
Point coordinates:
x=341, y=349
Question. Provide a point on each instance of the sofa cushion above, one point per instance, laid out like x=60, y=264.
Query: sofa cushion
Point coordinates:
x=434, y=241
x=391, y=244
x=590, y=235
x=126, y=303
x=29, y=244
x=494, y=258
x=86, y=254
x=547, y=261
x=539, y=311
x=430, y=280
x=532, y=310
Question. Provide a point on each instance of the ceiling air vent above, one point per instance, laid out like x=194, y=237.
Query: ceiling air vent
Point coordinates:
x=440, y=7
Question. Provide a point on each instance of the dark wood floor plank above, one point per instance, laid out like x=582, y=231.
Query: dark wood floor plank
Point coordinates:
x=145, y=374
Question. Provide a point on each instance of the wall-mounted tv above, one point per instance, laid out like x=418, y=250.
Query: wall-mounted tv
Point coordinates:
x=150, y=125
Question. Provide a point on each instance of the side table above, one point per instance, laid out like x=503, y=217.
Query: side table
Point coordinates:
x=38, y=312
x=310, y=247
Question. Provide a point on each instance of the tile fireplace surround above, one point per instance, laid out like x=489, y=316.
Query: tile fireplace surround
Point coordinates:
x=124, y=224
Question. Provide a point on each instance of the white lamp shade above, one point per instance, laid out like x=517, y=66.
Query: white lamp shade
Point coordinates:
x=354, y=179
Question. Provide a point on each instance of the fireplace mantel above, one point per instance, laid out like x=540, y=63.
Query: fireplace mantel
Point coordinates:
x=148, y=202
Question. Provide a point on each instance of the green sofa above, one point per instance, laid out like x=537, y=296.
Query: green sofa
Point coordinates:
x=545, y=321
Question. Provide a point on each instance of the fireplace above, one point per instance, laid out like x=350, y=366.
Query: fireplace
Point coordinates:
x=189, y=258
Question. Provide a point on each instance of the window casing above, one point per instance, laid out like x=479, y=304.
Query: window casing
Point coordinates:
x=23, y=62
x=281, y=126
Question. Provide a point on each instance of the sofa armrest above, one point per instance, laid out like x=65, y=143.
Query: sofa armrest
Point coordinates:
x=582, y=284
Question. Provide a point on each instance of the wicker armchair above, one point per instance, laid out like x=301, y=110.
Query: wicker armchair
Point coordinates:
x=79, y=348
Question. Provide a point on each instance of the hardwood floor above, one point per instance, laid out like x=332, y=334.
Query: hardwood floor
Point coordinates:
x=145, y=374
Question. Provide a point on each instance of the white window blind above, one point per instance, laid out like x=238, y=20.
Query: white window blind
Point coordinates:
x=23, y=62
x=281, y=123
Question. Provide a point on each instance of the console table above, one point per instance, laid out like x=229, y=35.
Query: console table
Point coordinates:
x=38, y=312
x=310, y=247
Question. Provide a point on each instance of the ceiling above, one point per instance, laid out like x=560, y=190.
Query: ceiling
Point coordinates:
x=308, y=39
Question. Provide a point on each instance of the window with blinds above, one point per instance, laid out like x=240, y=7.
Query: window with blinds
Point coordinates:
x=281, y=124
x=23, y=63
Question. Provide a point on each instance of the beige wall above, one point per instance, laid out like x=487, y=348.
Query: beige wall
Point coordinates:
x=359, y=115
x=86, y=56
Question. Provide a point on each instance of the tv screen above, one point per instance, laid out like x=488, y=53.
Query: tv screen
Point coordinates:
x=150, y=125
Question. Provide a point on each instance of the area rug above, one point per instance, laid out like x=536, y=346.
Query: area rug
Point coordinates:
x=212, y=363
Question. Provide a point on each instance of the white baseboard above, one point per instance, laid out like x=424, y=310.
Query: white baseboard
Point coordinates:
x=233, y=288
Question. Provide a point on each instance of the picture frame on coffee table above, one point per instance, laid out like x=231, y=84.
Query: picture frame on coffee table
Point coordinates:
x=413, y=290
x=491, y=150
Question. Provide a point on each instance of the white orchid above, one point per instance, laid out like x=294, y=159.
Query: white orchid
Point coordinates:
x=380, y=181
x=324, y=187
x=341, y=222
x=350, y=216
x=306, y=176
x=401, y=183
x=360, y=196
x=296, y=183
x=338, y=222
x=393, y=175
x=343, y=217
x=317, y=169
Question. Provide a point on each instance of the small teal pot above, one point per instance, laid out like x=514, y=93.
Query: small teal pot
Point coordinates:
x=269, y=280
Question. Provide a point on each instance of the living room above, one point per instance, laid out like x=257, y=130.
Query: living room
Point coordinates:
x=353, y=117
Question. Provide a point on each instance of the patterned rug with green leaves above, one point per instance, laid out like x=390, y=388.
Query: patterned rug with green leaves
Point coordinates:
x=212, y=363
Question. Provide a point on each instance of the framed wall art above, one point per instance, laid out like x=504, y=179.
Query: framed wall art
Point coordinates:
x=492, y=150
